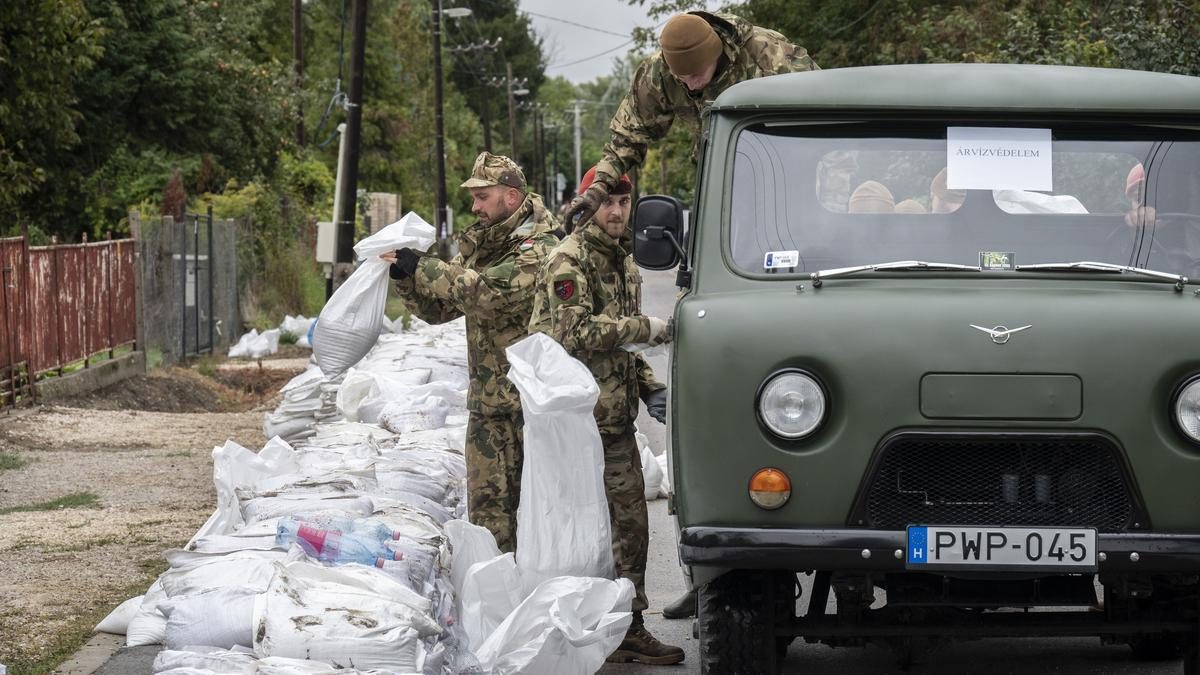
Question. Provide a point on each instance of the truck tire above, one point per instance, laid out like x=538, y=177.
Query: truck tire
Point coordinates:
x=1157, y=647
x=737, y=614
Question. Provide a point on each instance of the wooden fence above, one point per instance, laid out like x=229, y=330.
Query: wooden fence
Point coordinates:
x=61, y=305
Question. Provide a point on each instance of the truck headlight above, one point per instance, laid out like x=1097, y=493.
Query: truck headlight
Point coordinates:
x=792, y=404
x=1187, y=409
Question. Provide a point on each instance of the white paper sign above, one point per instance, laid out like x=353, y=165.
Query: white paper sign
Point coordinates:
x=776, y=259
x=998, y=158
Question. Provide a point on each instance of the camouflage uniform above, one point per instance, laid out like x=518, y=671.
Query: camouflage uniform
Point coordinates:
x=493, y=282
x=590, y=301
x=657, y=98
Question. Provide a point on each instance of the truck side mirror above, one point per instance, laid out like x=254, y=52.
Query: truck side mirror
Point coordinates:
x=657, y=228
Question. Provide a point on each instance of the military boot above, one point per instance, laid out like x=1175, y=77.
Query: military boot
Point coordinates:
x=639, y=645
x=682, y=608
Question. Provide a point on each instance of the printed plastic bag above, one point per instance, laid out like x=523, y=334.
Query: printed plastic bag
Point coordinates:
x=563, y=519
x=350, y=322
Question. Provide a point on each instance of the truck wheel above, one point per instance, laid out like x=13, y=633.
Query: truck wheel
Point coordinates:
x=736, y=621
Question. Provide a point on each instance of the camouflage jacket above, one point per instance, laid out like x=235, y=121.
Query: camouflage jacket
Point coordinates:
x=492, y=281
x=657, y=98
x=590, y=300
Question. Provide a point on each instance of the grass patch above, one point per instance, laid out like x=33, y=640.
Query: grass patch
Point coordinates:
x=10, y=461
x=207, y=365
x=75, y=500
x=154, y=358
x=79, y=631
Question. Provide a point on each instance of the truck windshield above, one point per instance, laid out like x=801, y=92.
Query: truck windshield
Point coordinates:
x=810, y=198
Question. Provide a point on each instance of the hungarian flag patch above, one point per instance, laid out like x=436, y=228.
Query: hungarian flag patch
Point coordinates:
x=526, y=245
x=564, y=289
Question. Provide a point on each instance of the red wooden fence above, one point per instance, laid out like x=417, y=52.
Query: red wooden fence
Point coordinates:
x=62, y=304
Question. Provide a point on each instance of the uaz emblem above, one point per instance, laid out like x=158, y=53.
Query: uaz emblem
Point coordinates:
x=1000, y=334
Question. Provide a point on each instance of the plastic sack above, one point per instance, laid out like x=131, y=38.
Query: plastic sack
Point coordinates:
x=350, y=322
x=117, y=621
x=563, y=518
x=567, y=626
x=664, y=490
x=221, y=618
x=148, y=626
x=241, y=349
x=414, y=414
x=196, y=660
x=652, y=475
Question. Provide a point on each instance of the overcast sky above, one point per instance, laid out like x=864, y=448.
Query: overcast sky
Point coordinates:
x=609, y=25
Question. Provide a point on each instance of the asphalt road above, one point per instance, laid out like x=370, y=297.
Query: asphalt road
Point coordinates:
x=664, y=583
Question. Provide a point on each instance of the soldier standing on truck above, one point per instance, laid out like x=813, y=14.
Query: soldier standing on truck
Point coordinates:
x=702, y=54
x=589, y=300
x=492, y=281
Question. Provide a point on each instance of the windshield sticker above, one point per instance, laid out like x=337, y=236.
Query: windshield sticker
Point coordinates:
x=778, y=259
x=997, y=260
x=998, y=158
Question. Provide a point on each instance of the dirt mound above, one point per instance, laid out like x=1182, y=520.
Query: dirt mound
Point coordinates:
x=180, y=390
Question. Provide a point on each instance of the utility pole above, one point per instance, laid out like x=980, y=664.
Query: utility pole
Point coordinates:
x=512, y=112
x=439, y=146
x=578, y=146
x=486, y=117
x=485, y=104
x=298, y=64
x=348, y=188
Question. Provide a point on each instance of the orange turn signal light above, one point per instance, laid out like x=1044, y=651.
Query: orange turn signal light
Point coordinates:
x=770, y=488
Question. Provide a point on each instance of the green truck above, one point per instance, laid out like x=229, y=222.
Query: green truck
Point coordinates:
x=938, y=348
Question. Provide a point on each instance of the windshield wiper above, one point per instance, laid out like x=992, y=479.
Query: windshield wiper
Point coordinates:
x=1089, y=266
x=897, y=266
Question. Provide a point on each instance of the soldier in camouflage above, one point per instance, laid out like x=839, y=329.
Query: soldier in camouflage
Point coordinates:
x=492, y=281
x=590, y=301
x=702, y=54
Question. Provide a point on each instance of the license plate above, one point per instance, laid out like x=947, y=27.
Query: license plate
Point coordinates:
x=1006, y=548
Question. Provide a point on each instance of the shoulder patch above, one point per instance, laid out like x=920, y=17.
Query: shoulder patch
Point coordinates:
x=526, y=245
x=564, y=289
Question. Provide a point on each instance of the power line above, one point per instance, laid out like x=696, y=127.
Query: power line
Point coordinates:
x=593, y=56
x=574, y=23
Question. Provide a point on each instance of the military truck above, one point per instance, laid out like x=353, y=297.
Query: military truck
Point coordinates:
x=937, y=354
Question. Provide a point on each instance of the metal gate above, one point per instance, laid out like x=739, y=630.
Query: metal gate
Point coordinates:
x=194, y=264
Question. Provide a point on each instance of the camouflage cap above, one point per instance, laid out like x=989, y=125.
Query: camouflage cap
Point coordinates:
x=492, y=170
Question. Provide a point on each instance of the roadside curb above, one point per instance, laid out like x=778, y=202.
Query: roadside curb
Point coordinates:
x=92, y=655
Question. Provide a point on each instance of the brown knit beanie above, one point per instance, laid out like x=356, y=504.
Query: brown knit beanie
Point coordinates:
x=689, y=44
x=871, y=197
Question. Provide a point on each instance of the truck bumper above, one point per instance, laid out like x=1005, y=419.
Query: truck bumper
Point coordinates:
x=852, y=550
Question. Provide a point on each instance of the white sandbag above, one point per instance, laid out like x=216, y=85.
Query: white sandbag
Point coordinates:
x=265, y=344
x=264, y=508
x=471, y=544
x=117, y=621
x=491, y=590
x=563, y=518
x=567, y=626
x=202, y=574
x=149, y=625
x=407, y=415
x=220, y=618
x=236, y=467
x=241, y=349
x=204, y=661
x=350, y=322
x=652, y=475
x=326, y=614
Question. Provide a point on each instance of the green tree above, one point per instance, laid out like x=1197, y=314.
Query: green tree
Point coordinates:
x=45, y=47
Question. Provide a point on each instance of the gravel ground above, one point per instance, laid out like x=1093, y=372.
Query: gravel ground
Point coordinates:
x=151, y=475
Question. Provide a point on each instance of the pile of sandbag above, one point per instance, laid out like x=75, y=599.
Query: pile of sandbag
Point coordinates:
x=255, y=345
x=382, y=444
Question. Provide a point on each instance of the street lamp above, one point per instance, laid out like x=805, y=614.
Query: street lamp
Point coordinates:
x=439, y=126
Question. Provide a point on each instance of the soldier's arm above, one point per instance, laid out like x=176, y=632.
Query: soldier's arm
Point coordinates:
x=571, y=321
x=426, y=307
x=489, y=293
x=647, y=383
x=778, y=55
x=644, y=117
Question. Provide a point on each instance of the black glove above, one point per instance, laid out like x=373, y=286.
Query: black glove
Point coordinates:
x=405, y=265
x=584, y=206
x=656, y=405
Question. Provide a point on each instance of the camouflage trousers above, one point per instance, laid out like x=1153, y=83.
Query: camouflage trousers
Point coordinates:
x=626, y=491
x=494, y=454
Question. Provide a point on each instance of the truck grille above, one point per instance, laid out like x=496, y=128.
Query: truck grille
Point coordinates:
x=1017, y=480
